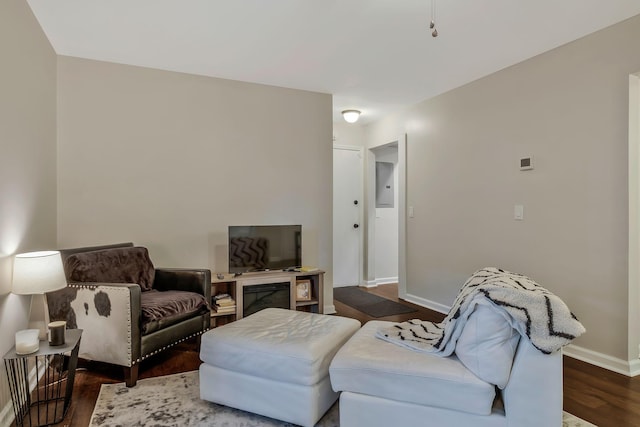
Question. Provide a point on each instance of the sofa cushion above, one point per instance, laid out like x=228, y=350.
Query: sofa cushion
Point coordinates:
x=164, y=308
x=117, y=265
x=371, y=366
x=487, y=344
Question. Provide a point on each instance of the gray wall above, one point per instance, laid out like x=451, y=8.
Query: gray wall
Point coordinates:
x=27, y=160
x=568, y=108
x=348, y=134
x=169, y=160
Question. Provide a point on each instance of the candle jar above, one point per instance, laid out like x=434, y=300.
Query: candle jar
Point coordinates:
x=57, y=332
x=27, y=341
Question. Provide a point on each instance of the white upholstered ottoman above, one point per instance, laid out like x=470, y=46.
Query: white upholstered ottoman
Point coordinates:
x=274, y=363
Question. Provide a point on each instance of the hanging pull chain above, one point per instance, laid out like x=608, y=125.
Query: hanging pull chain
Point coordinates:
x=432, y=25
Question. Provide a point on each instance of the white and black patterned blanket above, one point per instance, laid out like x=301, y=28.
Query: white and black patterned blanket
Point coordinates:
x=534, y=312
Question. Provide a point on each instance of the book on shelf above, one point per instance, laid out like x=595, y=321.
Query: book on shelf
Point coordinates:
x=223, y=303
x=226, y=309
x=223, y=299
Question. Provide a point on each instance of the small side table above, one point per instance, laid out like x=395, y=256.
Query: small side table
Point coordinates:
x=43, y=399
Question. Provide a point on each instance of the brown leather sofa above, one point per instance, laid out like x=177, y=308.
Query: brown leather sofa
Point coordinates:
x=128, y=309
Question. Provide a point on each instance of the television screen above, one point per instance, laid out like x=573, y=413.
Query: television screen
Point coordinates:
x=264, y=247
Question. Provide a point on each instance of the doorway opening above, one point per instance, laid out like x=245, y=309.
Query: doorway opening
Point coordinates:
x=386, y=216
x=386, y=213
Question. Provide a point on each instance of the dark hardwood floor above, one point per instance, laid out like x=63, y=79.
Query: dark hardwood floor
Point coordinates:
x=597, y=395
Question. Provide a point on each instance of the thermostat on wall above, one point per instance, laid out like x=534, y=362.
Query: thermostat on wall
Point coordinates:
x=526, y=163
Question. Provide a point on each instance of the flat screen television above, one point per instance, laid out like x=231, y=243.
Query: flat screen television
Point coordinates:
x=264, y=247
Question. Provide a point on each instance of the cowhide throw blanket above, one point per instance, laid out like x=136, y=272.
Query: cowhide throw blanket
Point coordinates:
x=534, y=312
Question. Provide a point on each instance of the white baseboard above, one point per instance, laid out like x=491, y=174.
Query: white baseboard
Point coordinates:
x=329, y=309
x=6, y=415
x=380, y=281
x=386, y=280
x=630, y=368
x=440, y=308
x=634, y=367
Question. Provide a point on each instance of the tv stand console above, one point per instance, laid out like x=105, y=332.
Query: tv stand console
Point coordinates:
x=305, y=288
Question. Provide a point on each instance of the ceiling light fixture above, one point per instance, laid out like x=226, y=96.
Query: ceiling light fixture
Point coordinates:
x=351, y=116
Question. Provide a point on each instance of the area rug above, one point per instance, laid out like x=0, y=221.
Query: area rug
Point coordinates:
x=368, y=303
x=174, y=400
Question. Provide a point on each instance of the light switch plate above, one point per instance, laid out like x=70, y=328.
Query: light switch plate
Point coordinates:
x=518, y=212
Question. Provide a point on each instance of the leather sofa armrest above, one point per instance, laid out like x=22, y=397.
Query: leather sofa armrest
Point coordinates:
x=182, y=279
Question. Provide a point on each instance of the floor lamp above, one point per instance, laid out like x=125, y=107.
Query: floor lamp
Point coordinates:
x=36, y=273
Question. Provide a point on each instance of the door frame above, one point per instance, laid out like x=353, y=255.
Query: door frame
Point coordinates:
x=361, y=204
x=370, y=273
x=633, y=347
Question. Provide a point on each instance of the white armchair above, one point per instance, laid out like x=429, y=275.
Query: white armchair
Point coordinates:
x=383, y=385
x=495, y=360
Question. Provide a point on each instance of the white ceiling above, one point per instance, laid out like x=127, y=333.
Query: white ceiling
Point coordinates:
x=373, y=55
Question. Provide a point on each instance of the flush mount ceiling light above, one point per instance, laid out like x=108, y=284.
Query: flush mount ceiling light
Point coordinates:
x=351, y=116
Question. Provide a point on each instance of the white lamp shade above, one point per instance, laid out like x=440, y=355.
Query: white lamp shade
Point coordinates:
x=38, y=273
x=351, y=116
